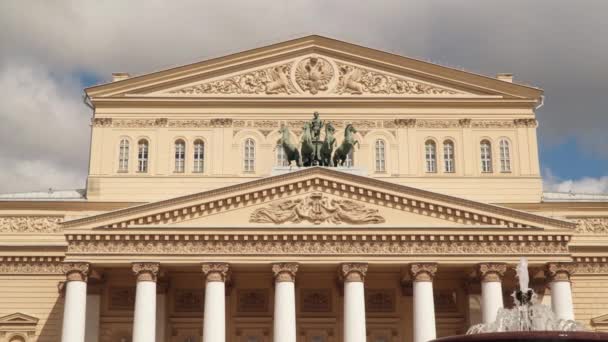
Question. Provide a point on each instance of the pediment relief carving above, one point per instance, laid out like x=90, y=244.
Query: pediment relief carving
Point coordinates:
x=317, y=208
x=314, y=75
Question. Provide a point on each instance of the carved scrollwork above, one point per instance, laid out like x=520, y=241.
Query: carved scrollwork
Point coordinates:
x=272, y=80
x=285, y=272
x=146, y=271
x=354, y=271
x=491, y=272
x=492, y=124
x=30, y=224
x=591, y=225
x=356, y=80
x=437, y=123
x=216, y=271
x=76, y=271
x=317, y=208
x=423, y=271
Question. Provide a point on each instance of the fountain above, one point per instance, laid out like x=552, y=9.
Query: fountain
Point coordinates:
x=528, y=321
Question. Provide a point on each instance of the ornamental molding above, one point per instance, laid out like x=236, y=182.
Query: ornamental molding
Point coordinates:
x=146, y=271
x=285, y=272
x=313, y=75
x=216, y=271
x=31, y=265
x=491, y=272
x=353, y=272
x=423, y=271
x=592, y=267
x=317, y=208
x=316, y=244
x=76, y=270
x=591, y=225
x=30, y=224
x=320, y=180
x=560, y=271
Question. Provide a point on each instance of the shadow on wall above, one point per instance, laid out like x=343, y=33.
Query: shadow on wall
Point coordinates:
x=51, y=330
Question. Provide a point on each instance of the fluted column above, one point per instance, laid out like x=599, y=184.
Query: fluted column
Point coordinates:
x=214, y=323
x=284, y=301
x=144, y=320
x=424, y=304
x=561, y=291
x=491, y=289
x=74, y=308
x=353, y=275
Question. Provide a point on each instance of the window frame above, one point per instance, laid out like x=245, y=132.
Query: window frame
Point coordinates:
x=380, y=155
x=249, y=155
x=505, y=158
x=485, y=156
x=143, y=160
x=124, y=155
x=430, y=159
x=449, y=160
x=179, y=157
x=279, y=156
x=198, y=158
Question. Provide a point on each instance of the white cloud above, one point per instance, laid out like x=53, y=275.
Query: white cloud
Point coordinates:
x=585, y=185
x=44, y=136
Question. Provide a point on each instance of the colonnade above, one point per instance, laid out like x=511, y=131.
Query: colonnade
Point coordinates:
x=352, y=275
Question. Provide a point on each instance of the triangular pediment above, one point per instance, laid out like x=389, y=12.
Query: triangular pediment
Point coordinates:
x=313, y=66
x=18, y=318
x=600, y=320
x=317, y=196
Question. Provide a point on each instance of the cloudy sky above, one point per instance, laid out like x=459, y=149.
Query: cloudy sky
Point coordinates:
x=50, y=50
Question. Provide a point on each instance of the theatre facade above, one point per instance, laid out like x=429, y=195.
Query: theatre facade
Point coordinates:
x=194, y=226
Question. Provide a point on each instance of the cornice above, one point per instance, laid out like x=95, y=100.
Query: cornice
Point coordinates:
x=322, y=179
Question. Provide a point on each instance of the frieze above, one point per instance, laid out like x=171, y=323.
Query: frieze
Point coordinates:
x=30, y=224
x=437, y=123
x=591, y=225
x=188, y=300
x=102, y=122
x=31, y=267
x=380, y=300
x=356, y=81
x=591, y=267
x=492, y=124
x=316, y=300
x=525, y=123
x=252, y=300
x=272, y=80
x=402, y=248
x=316, y=208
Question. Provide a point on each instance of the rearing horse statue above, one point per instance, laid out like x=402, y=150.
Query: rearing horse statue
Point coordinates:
x=347, y=145
x=328, y=145
x=291, y=151
x=308, y=148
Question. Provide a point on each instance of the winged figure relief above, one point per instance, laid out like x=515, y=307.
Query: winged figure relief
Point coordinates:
x=313, y=74
x=278, y=81
x=350, y=80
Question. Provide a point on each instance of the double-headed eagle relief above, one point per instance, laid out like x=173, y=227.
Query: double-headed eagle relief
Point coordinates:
x=317, y=149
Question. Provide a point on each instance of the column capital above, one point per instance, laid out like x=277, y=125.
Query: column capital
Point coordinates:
x=559, y=271
x=491, y=271
x=146, y=271
x=353, y=272
x=216, y=271
x=285, y=271
x=423, y=271
x=76, y=270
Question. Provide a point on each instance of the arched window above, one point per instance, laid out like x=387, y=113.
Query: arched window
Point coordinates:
x=249, y=155
x=142, y=156
x=123, y=156
x=448, y=156
x=380, y=156
x=430, y=152
x=199, y=156
x=505, y=156
x=180, y=156
x=281, y=156
x=350, y=158
x=486, y=156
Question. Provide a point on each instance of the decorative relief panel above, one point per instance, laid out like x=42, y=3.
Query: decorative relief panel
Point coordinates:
x=313, y=74
x=30, y=224
x=252, y=300
x=188, y=300
x=380, y=300
x=356, y=80
x=30, y=267
x=273, y=80
x=591, y=225
x=445, y=301
x=317, y=208
x=121, y=298
x=308, y=247
x=315, y=300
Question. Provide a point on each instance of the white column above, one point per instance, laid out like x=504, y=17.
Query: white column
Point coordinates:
x=93, y=313
x=144, y=320
x=214, y=322
x=491, y=289
x=353, y=275
x=74, y=307
x=285, y=302
x=561, y=291
x=424, y=304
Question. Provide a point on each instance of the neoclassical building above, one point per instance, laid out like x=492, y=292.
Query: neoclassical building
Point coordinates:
x=192, y=226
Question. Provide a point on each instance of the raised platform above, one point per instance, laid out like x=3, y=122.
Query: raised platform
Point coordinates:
x=529, y=336
x=280, y=170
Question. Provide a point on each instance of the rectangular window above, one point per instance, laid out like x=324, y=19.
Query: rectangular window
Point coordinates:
x=142, y=157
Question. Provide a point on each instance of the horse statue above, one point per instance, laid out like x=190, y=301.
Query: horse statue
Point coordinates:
x=308, y=149
x=347, y=145
x=328, y=145
x=291, y=151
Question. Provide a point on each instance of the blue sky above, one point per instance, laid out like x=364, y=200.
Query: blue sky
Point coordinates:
x=52, y=50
